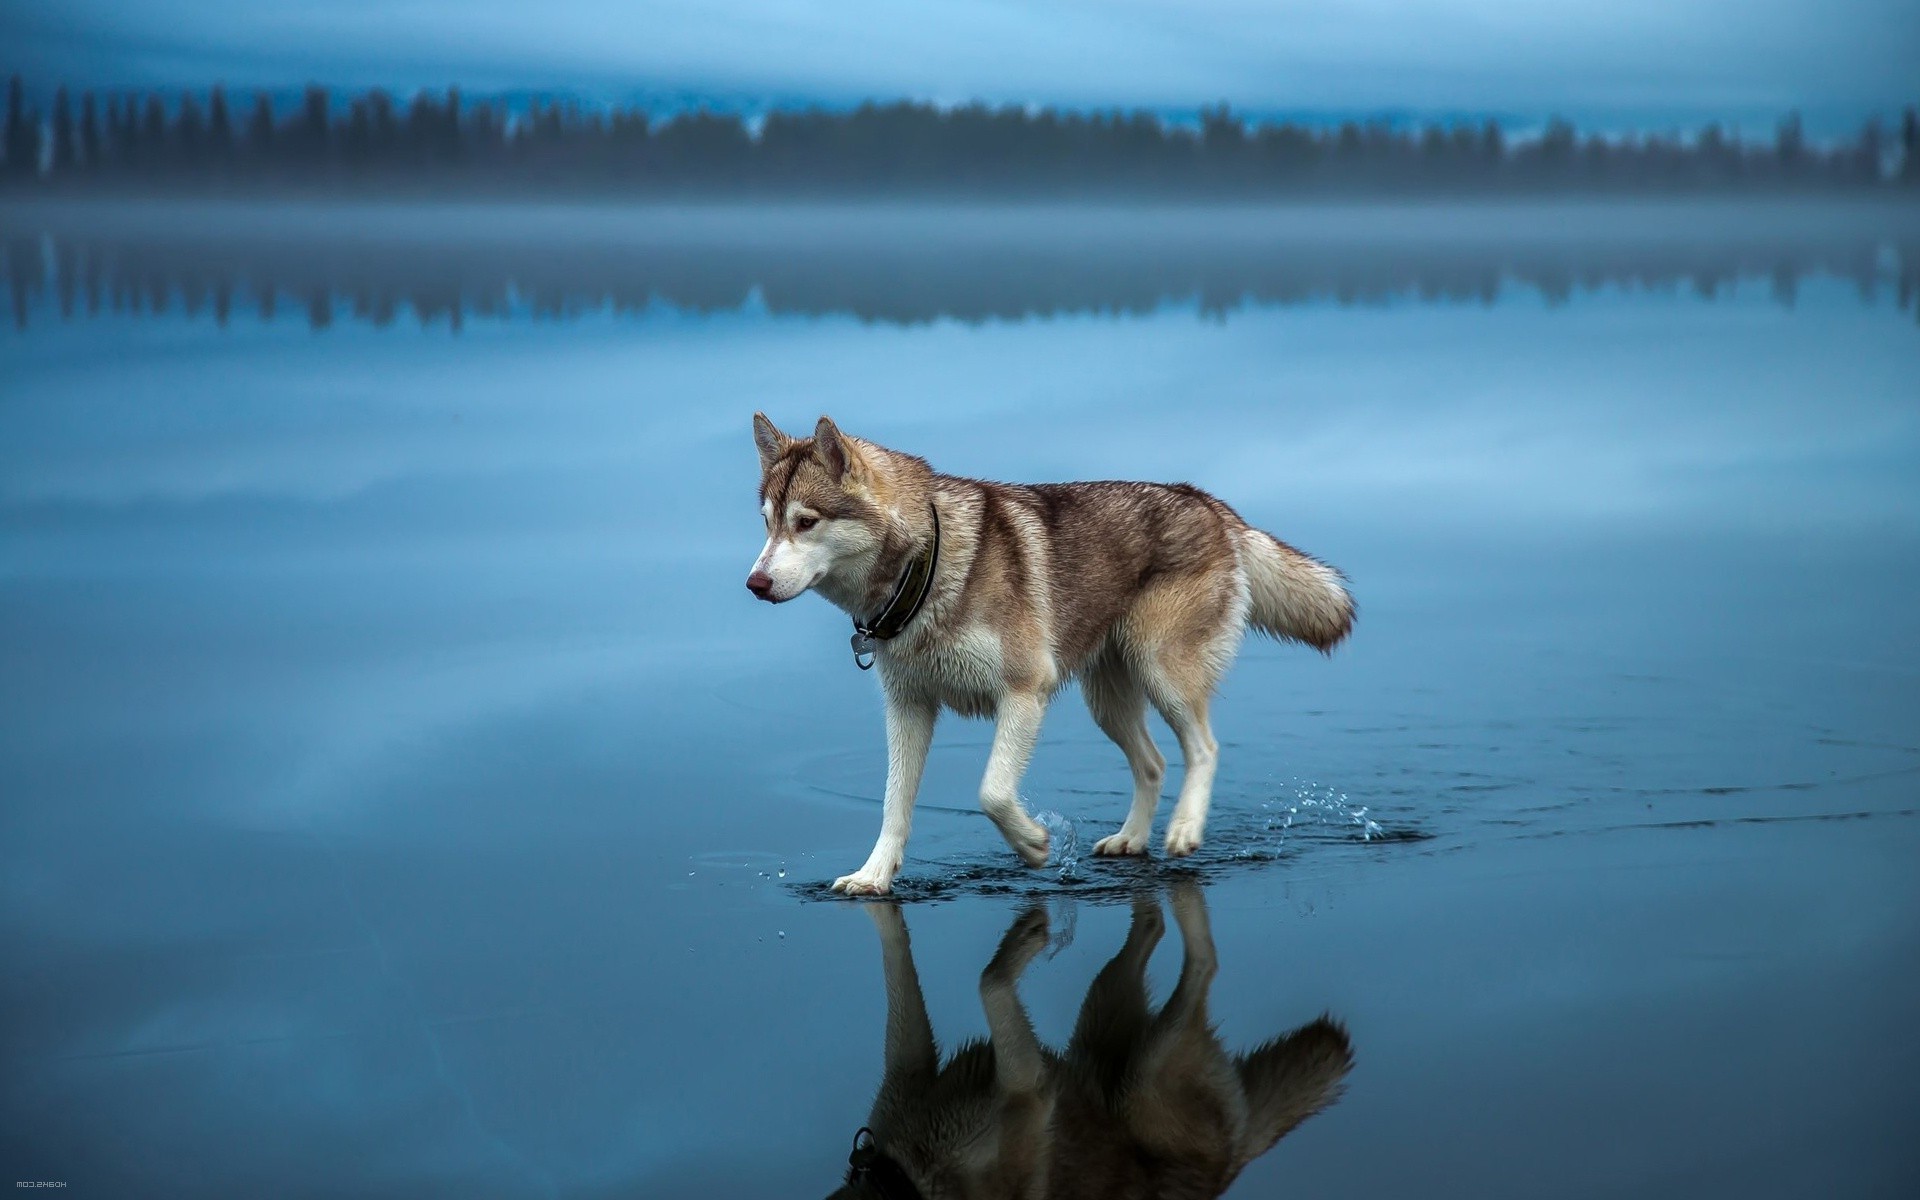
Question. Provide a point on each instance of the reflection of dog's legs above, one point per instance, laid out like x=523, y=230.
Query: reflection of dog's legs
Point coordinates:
x=1188, y=1004
x=1114, y=1017
x=1019, y=1061
x=1180, y=1059
x=1016, y=729
x=912, y=1059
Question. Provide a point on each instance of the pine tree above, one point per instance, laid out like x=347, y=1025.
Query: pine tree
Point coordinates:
x=1557, y=143
x=89, y=132
x=22, y=139
x=1790, y=145
x=110, y=135
x=1493, y=145
x=1710, y=154
x=1910, y=148
x=450, y=147
x=422, y=124
x=64, y=150
x=1867, y=153
x=189, y=133
x=153, y=134
x=260, y=129
x=383, y=131
x=219, y=126
x=126, y=133
x=314, y=137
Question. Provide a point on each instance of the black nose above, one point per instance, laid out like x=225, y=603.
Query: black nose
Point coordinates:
x=760, y=584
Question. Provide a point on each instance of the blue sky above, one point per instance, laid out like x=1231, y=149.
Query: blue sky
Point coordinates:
x=1637, y=61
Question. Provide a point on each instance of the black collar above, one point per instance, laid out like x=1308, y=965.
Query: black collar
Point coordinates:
x=909, y=594
x=872, y=1166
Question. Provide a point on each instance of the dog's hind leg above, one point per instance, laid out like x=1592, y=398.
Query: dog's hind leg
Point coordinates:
x=1180, y=637
x=1198, y=960
x=1183, y=699
x=1118, y=701
x=909, y=736
x=1186, y=1098
x=1015, y=731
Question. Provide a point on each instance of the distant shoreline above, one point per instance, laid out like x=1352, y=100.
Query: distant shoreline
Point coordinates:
x=435, y=144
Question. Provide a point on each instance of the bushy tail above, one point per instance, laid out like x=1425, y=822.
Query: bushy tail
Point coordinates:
x=1291, y=1078
x=1295, y=597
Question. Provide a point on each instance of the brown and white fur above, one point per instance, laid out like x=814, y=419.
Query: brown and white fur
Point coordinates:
x=1140, y=1104
x=1141, y=591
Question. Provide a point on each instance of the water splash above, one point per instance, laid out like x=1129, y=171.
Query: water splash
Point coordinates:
x=1063, y=919
x=1064, y=851
x=1318, y=805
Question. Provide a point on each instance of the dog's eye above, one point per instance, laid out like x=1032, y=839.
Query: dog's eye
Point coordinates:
x=802, y=524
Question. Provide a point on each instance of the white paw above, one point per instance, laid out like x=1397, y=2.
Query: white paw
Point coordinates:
x=1121, y=845
x=1183, y=838
x=864, y=882
x=1033, y=847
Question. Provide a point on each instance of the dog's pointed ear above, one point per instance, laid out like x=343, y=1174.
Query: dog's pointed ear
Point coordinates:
x=770, y=441
x=831, y=448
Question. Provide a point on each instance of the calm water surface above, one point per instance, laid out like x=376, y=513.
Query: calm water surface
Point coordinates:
x=400, y=795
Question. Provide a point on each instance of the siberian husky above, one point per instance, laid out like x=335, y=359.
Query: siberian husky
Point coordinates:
x=987, y=598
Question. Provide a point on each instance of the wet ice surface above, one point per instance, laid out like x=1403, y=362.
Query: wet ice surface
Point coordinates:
x=1304, y=818
x=402, y=795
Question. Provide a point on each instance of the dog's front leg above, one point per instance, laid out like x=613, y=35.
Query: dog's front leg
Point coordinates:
x=1016, y=729
x=912, y=1061
x=1022, y=1066
x=1020, y=1063
x=909, y=734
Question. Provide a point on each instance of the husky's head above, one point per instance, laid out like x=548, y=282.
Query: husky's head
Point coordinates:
x=825, y=525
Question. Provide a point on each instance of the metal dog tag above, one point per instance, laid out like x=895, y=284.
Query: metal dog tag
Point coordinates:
x=863, y=650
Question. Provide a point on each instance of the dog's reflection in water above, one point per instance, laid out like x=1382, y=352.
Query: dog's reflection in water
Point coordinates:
x=1140, y=1104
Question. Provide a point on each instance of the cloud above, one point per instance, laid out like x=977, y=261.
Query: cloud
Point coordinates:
x=1708, y=55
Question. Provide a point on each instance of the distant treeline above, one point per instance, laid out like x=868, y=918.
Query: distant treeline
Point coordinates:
x=375, y=142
